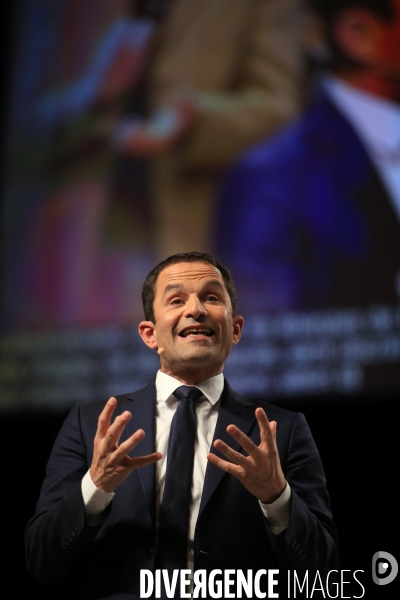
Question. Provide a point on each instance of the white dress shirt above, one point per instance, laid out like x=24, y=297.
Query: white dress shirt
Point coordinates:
x=207, y=408
x=377, y=122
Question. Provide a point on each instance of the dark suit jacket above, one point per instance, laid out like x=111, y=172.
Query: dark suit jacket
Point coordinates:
x=231, y=532
x=305, y=222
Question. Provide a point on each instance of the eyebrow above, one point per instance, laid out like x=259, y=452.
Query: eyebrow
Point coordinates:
x=178, y=286
x=172, y=286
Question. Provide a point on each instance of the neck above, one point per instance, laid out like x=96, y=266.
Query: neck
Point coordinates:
x=191, y=376
x=384, y=85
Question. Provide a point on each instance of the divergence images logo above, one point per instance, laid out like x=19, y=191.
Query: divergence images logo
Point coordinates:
x=384, y=568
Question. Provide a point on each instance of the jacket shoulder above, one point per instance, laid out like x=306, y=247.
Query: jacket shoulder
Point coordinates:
x=88, y=409
x=272, y=411
x=296, y=142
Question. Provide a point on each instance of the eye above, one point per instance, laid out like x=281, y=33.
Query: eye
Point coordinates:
x=211, y=298
x=176, y=301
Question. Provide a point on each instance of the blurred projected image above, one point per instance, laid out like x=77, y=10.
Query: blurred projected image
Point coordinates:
x=311, y=219
x=123, y=115
x=78, y=221
x=138, y=129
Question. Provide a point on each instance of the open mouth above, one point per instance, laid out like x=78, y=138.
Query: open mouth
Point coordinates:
x=196, y=331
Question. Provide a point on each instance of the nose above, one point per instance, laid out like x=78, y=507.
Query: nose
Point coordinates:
x=194, y=307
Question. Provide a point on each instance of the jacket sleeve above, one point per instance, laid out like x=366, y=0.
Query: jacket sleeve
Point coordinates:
x=310, y=541
x=58, y=534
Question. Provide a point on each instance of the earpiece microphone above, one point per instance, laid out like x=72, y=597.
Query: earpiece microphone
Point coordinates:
x=160, y=351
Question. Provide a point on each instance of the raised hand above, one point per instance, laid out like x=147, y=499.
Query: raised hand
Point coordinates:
x=260, y=472
x=111, y=464
x=160, y=133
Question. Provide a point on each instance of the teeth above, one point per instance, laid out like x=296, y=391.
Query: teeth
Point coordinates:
x=196, y=332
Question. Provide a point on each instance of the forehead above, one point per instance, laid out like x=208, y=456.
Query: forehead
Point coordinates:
x=188, y=274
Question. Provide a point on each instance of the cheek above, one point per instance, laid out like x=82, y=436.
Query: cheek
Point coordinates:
x=167, y=327
x=223, y=316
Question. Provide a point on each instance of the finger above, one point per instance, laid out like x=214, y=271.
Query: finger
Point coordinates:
x=246, y=443
x=142, y=461
x=104, y=419
x=226, y=466
x=231, y=455
x=115, y=430
x=273, y=425
x=266, y=434
x=130, y=443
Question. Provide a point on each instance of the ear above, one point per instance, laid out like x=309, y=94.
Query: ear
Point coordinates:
x=357, y=33
x=238, y=323
x=147, y=332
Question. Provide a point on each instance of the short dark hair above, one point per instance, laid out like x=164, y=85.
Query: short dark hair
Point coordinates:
x=149, y=286
x=328, y=9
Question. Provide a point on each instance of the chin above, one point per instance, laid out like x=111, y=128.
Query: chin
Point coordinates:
x=198, y=356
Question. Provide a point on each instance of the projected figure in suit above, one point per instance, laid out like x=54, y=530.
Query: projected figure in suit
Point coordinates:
x=171, y=94
x=255, y=494
x=226, y=74
x=311, y=218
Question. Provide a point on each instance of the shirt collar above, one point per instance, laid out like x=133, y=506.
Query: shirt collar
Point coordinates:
x=376, y=119
x=211, y=388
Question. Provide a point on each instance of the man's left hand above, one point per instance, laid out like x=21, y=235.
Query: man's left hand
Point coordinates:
x=260, y=472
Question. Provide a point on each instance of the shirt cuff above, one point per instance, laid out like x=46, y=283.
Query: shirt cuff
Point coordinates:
x=278, y=513
x=95, y=501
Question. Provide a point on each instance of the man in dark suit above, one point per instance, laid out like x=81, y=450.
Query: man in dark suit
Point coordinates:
x=259, y=502
x=311, y=218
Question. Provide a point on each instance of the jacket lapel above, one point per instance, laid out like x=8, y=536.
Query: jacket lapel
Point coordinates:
x=359, y=186
x=142, y=406
x=236, y=410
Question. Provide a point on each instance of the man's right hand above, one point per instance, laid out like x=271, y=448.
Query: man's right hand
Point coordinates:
x=111, y=464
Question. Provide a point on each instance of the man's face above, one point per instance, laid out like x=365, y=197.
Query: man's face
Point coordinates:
x=193, y=320
x=370, y=39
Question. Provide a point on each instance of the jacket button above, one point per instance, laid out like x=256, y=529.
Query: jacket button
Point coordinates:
x=149, y=553
x=294, y=542
x=297, y=548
